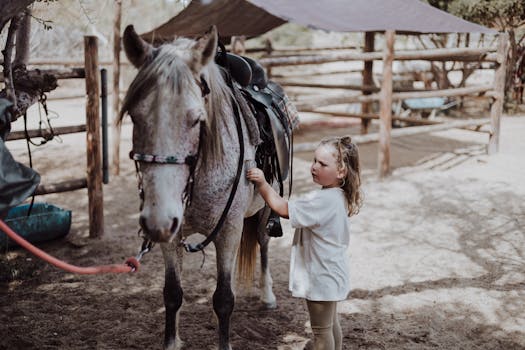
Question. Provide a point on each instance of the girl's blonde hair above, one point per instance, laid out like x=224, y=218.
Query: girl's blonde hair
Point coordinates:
x=347, y=157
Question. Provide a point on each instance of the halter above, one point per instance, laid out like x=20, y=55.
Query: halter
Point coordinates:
x=190, y=160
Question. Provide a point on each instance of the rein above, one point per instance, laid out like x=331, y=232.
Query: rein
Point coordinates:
x=192, y=248
x=191, y=160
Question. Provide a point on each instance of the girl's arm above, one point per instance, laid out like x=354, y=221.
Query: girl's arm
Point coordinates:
x=278, y=204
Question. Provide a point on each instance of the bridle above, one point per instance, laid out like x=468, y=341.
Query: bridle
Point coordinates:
x=191, y=160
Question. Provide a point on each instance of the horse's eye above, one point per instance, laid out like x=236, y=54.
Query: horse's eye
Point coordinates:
x=194, y=117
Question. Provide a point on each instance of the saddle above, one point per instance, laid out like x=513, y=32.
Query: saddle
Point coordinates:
x=265, y=98
x=276, y=118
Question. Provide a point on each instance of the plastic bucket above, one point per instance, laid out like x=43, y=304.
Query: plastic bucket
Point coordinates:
x=46, y=222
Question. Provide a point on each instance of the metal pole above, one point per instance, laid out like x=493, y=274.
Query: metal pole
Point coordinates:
x=104, y=103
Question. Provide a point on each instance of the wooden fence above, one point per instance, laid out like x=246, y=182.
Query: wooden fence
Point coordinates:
x=386, y=94
x=92, y=127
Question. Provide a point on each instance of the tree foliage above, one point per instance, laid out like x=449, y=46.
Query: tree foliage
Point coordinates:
x=499, y=14
x=503, y=15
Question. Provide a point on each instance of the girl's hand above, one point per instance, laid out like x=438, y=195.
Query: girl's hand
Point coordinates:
x=256, y=176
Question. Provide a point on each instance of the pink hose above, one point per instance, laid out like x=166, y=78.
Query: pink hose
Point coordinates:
x=131, y=264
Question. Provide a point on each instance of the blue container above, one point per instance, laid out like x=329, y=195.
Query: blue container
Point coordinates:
x=46, y=222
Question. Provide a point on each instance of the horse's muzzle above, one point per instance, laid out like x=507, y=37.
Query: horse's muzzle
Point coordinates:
x=159, y=234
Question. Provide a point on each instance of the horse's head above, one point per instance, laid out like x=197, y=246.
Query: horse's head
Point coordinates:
x=167, y=104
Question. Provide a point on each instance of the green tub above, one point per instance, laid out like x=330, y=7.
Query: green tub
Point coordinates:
x=46, y=222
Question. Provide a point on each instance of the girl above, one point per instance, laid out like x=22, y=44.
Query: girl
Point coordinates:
x=319, y=260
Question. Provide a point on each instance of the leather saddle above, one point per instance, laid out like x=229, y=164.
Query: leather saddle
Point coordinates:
x=264, y=96
x=268, y=102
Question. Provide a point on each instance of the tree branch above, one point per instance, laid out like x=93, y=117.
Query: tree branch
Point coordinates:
x=521, y=39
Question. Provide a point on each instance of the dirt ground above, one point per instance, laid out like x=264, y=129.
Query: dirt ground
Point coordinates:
x=437, y=254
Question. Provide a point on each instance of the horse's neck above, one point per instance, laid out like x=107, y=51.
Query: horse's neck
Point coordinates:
x=213, y=183
x=219, y=174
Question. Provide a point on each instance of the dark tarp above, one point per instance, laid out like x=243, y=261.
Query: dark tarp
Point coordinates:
x=17, y=182
x=232, y=17
x=255, y=17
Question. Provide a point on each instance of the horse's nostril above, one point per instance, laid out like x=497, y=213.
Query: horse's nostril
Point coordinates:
x=174, y=225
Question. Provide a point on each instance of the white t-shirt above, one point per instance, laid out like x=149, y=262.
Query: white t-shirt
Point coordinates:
x=319, y=264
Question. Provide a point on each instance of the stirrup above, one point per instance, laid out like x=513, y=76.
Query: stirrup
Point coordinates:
x=274, y=227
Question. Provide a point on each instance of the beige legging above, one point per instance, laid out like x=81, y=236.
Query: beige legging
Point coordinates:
x=325, y=325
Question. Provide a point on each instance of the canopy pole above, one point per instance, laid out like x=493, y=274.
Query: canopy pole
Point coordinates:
x=116, y=87
x=366, y=107
x=268, y=48
x=385, y=111
x=499, y=93
x=238, y=45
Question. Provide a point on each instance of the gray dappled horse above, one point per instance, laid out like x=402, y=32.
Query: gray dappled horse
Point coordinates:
x=186, y=144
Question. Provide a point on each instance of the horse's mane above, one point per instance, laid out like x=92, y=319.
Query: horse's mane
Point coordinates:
x=168, y=70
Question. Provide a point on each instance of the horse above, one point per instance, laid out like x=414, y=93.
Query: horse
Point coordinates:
x=188, y=148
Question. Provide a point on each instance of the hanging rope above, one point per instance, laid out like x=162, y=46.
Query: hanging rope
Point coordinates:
x=48, y=135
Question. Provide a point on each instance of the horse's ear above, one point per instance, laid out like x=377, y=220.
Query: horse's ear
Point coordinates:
x=205, y=49
x=137, y=50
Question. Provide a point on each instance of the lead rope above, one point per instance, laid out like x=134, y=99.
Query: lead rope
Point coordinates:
x=147, y=244
x=130, y=265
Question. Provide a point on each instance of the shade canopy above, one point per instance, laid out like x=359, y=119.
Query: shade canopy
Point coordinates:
x=255, y=17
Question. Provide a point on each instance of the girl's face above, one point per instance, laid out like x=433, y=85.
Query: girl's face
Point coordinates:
x=325, y=170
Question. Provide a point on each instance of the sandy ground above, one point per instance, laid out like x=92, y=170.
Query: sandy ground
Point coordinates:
x=437, y=254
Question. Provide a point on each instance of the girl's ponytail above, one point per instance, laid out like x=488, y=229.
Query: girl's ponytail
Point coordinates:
x=348, y=159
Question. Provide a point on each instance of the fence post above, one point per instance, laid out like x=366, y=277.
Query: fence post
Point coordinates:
x=93, y=151
x=116, y=127
x=368, y=80
x=385, y=112
x=499, y=93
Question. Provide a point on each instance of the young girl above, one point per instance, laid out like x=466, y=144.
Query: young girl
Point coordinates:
x=319, y=260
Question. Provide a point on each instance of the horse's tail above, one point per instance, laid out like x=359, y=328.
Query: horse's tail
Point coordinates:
x=247, y=257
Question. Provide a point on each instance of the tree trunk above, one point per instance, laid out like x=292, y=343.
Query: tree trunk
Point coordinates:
x=21, y=87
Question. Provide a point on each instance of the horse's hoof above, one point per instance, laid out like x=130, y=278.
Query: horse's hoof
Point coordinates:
x=176, y=345
x=270, y=306
x=309, y=345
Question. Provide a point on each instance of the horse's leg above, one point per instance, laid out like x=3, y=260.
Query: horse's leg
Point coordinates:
x=266, y=281
x=223, y=298
x=172, y=294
